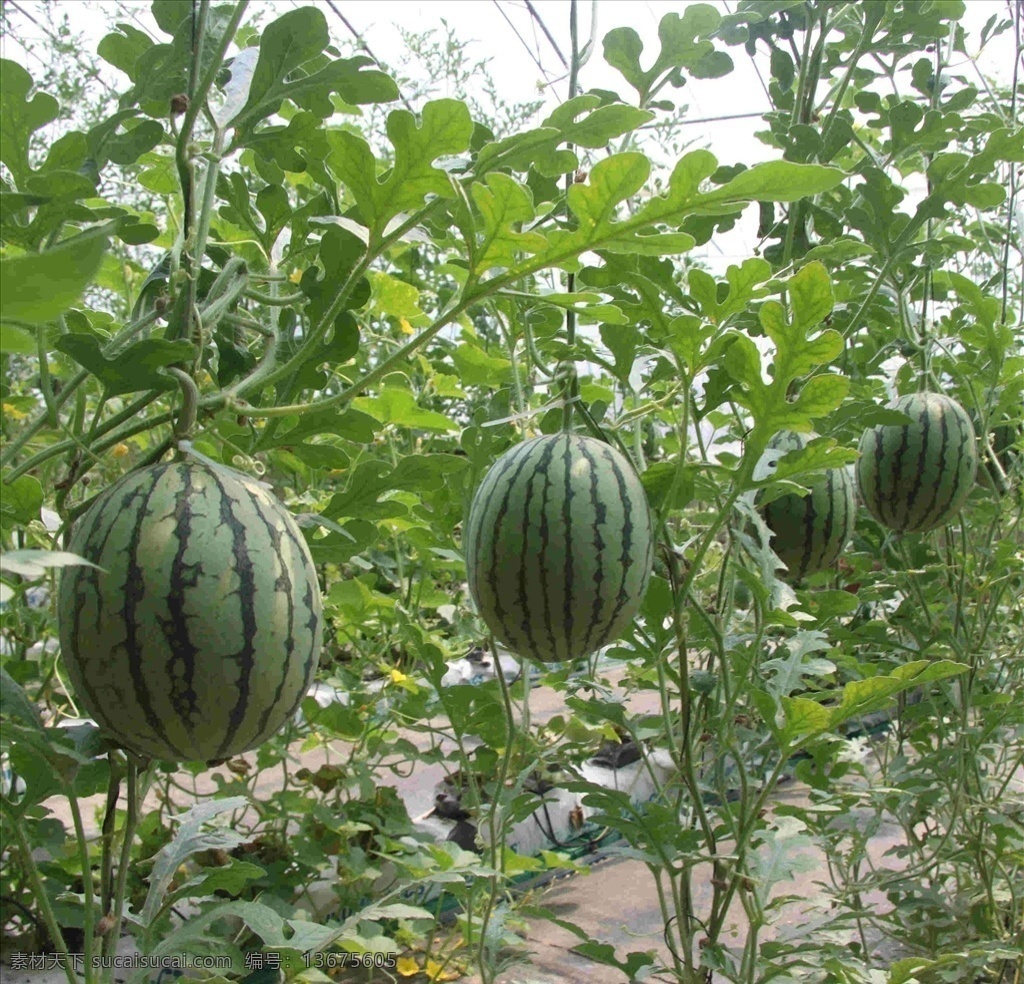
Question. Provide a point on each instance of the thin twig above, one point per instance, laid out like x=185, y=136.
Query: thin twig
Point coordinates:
x=536, y=60
x=547, y=34
x=360, y=41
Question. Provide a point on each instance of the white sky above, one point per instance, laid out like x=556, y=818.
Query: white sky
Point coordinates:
x=491, y=27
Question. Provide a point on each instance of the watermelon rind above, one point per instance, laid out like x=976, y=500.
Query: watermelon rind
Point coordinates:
x=558, y=547
x=199, y=632
x=810, y=531
x=916, y=476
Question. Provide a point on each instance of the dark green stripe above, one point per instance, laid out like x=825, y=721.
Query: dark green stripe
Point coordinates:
x=134, y=592
x=244, y=657
x=182, y=652
x=541, y=472
x=599, y=512
x=573, y=447
x=626, y=536
x=280, y=535
x=516, y=464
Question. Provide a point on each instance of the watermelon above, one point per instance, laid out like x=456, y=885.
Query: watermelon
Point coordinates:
x=558, y=547
x=916, y=476
x=809, y=532
x=199, y=632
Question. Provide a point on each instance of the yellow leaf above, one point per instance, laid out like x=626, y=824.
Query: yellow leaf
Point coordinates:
x=14, y=413
x=397, y=676
x=407, y=967
x=436, y=972
x=407, y=329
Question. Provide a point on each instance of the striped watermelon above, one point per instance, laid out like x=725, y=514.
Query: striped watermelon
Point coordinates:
x=200, y=634
x=810, y=531
x=916, y=476
x=558, y=547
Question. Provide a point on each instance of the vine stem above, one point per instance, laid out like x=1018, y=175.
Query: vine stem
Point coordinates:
x=109, y=826
x=42, y=899
x=571, y=386
x=497, y=862
x=110, y=941
x=88, y=900
x=59, y=399
x=872, y=18
x=267, y=375
x=186, y=421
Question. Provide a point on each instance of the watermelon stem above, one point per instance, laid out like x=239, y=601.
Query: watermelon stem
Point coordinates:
x=88, y=899
x=186, y=421
x=110, y=941
x=109, y=818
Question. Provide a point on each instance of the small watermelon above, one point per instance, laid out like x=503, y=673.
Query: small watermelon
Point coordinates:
x=810, y=532
x=558, y=547
x=914, y=477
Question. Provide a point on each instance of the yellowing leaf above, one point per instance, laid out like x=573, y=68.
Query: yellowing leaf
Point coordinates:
x=407, y=967
x=14, y=413
x=436, y=972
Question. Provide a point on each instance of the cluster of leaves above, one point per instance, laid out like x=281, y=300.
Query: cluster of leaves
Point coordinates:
x=373, y=303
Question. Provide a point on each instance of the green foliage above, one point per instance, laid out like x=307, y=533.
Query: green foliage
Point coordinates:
x=362, y=285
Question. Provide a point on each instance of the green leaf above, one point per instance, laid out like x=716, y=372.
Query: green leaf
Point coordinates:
x=477, y=368
x=126, y=148
x=504, y=205
x=395, y=405
x=446, y=130
x=124, y=50
x=369, y=483
x=604, y=953
x=668, y=486
x=273, y=204
x=36, y=288
x=810, y=296
x=21, y=501
x=14, y=702
x=804, y=717
x=352, y=425
x=15, y=340
x=288, y=43
x=684, y=44
x=622, y=341
x=189, y=839
x=583, y=121
x=230, y=878
x=619, y=177
x=774, y=181
x=35, y=563
x=20, y=117
x=135, y=369
x=786, y=673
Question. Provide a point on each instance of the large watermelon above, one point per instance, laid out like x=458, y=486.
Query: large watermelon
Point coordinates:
x=558, y=546
x=916, y=476
x=199, y=633
x=810, y=531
